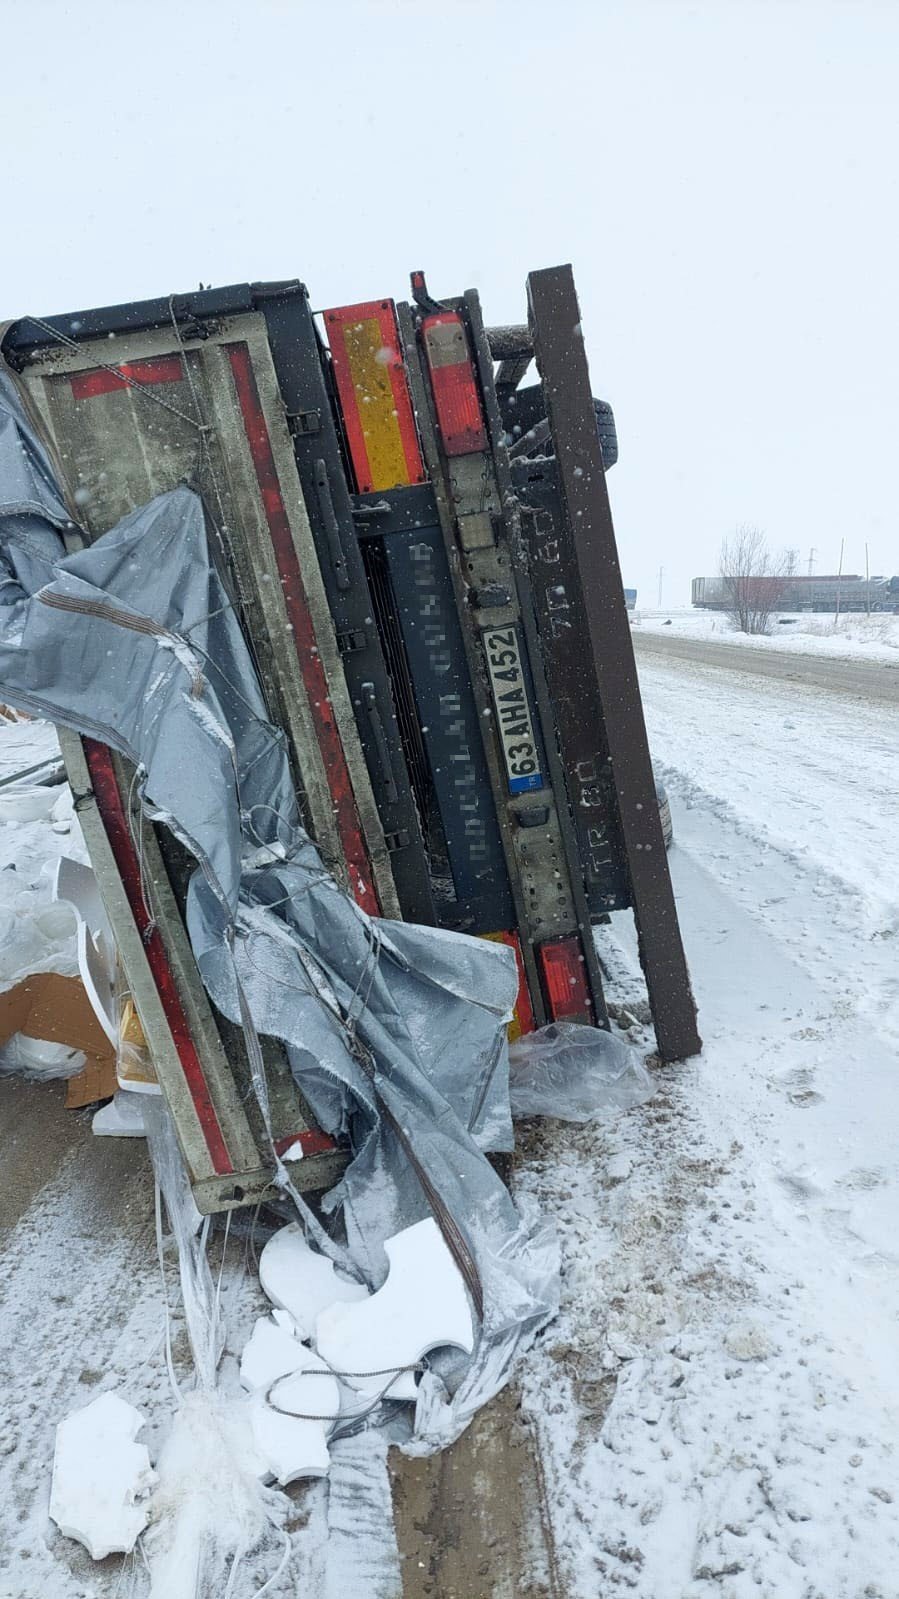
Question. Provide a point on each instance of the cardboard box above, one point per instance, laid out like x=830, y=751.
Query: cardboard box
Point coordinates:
x=57, y=1009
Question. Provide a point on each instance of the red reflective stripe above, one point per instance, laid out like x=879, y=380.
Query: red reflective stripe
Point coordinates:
x=312, y=1141
x=112, y=814
x=457, y=400
x=313, y=672
x=384, y=313
x=565, y=979
x=162, y=369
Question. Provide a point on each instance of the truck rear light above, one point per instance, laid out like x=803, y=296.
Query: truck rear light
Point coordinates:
x=455, y=388
x=564, y=973
x=523, y=1014
x=370, y=375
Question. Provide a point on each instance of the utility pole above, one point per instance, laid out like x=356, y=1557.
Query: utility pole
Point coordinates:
x=839, y=579
x=661, y=575
x=867, y=582
x=811, y=560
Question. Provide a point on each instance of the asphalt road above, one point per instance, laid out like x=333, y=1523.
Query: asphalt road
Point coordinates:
x=869, y=680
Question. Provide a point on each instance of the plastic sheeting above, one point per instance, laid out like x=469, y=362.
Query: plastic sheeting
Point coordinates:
x=576, y=1074
x=396, y=1033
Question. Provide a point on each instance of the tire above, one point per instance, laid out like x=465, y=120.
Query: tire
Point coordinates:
x=524, y=409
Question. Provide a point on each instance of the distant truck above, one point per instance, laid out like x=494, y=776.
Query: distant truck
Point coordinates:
x=803, y=593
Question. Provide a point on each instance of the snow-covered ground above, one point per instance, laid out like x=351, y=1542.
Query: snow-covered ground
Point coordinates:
x=716, y=1406
x=855, y=636
x=718, y=1402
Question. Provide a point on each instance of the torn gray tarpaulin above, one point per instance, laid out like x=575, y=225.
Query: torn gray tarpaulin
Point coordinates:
x=395, y=1032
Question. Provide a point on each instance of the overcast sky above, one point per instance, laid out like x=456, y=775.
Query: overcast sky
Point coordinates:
x=722, y=174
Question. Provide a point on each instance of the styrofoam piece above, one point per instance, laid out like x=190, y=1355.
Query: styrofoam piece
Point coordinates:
x=75, y=882
x=403, y=1387
x=301, y=1281
x=123, y=1117
x=422, y=1305
x=98, y=984
x=309, y=1390
x=99, y=1473
x=272, y=1351
x=75, y=885
x=290, y=1447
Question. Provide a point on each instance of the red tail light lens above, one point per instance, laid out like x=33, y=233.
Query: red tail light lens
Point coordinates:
x=564, y=974
x=456, y=398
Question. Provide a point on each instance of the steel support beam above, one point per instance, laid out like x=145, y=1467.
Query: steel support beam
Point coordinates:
x=594, y=576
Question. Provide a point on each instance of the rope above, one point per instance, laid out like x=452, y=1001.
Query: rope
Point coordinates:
x=282, y=1567
x=160, y=1255
x=145, y=389
x=204, y=430
x=354, y=1415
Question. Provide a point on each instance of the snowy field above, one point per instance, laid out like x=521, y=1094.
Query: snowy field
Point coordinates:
x=716, y=1406
x=719, y=1402
x=854, y=637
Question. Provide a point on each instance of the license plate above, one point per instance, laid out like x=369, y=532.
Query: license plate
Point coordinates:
x=513, y=713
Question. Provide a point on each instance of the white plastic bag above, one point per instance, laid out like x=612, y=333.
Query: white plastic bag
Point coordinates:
x=578, y=1074
x=34, y=1057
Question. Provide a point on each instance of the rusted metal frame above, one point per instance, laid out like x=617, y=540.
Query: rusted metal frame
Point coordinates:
x=513, y=349
x=200, y=1161
x=427, y=431
x=509, y=342
x=351, y=815
x=555, y=320
x=247, y=1170
x=229, y=1081
x=545, y=709
x=254, y=561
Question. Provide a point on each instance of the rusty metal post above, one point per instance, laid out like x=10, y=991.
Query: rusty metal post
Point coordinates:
x=591, y=569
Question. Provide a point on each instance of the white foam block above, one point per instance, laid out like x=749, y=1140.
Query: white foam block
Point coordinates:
x=301, y=1281
x=290, y=1434
x=272, y=1351
x=75, y=885
x=291, y=1448
x=99, y=1473
x=422, y=1305
x=123, y=1117
x=310, y=1391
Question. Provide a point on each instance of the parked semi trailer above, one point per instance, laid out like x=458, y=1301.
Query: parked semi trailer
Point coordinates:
x=803, y=593
x=419, y=547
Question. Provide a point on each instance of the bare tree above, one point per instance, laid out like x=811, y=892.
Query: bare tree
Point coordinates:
x=753, y=582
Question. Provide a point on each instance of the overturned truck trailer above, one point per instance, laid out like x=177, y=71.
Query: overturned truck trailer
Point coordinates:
x=419, y=547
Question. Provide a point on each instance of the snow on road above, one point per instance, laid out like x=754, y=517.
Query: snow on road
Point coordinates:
x=854, y=636
x=716, y=1406
x=718, y=1403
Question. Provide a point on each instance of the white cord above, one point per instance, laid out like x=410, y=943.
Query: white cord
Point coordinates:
x=170, y=1364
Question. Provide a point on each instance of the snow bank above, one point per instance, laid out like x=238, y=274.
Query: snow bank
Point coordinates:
x=717, y=1403
x=854, y=637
